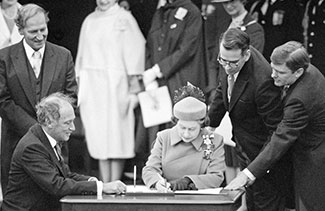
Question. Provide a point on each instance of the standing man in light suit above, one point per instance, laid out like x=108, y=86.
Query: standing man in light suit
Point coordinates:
x=21, y=87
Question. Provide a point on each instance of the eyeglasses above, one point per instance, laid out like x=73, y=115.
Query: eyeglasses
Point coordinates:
x=232, y=64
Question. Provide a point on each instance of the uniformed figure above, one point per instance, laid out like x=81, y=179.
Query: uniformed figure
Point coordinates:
x=281, y=20
x=314, y=32
x=187, y=155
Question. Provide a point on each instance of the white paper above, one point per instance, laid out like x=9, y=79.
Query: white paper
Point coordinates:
x=156, y=106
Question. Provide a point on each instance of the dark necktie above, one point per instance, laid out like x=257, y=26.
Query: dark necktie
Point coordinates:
x=58, y=151
x=284, y=92
x=231, y=82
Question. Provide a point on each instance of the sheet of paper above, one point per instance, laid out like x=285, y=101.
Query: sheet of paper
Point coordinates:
x=209, y=191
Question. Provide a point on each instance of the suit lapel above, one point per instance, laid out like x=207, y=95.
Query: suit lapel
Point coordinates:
x=49, y=68
x=239, y=87
x=41, y=135
x=19, y=60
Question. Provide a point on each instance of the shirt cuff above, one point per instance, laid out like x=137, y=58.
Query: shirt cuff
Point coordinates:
x=249, y=174
x=156, y=70
x=92, y=179
x=99, y=188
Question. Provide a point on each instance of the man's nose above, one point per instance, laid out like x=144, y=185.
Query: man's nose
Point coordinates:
x=72, y=127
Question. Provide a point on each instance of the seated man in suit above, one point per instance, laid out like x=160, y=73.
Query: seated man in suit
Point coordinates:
x=38, y=176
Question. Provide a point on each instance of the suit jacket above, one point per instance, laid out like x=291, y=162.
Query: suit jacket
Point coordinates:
x=37, y=179
x=254, y=110
x=256, y=34
x=301, y=128
x=17, y=95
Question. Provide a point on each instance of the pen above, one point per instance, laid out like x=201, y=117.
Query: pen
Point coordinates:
x=134, y=176
x=165, y=181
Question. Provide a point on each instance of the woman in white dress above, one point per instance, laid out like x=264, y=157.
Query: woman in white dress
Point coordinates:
x=8, y=30
x=110, y=53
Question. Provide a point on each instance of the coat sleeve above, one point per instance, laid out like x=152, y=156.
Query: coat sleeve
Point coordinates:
x=214, y=174
x=295, y=119
x=70, y=86
x=133, y=47
x=153, y=166
x=217, y=108
x=39, y=166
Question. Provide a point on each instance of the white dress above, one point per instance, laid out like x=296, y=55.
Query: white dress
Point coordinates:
x=8, y=38
x=111, y=47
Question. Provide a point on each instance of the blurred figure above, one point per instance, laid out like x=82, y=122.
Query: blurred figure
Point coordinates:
x=29, y=71
x=38, y=176
x=281, y=21
x=187, y=156
x=8, y=30
x=175, y=51
x=216, y=20
x=314, y=32
x=110, y=59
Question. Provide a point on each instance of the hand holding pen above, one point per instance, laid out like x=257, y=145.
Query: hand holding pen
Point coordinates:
x=162, y=185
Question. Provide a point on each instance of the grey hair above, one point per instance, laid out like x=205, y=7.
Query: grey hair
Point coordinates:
x=49, y=107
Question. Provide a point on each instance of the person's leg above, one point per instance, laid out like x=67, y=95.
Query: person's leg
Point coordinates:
x=117, y=167
x=104, y=167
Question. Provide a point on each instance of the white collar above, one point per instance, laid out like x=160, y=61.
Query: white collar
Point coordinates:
x=29, y=51
x=53, y=142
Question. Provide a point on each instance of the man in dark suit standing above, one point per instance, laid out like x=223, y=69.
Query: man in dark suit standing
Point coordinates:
x=247, y=92
x=38, y=176
x=29, y=71
x=301, y=129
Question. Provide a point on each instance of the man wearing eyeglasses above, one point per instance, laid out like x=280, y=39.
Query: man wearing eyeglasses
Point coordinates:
x=246, y=90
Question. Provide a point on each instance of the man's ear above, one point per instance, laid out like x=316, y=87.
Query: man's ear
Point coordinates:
x=247, y=55
x=299, y=72
x=48, y=122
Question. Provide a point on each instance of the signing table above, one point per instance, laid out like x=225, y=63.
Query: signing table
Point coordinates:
x=225, y=201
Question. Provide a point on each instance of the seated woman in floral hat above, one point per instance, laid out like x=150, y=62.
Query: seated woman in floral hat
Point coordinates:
x=186, y=156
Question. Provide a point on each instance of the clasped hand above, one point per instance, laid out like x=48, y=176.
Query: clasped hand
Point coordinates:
x=184, y=183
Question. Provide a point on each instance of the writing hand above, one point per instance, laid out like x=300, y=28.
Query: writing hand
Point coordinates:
x=163, y=186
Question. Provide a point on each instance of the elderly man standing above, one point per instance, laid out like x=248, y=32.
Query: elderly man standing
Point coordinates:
x=247, y=92
x=302, y=127
x=29, y=71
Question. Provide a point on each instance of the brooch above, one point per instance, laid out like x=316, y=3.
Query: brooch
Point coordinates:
x=208, y=146
x=181, y=13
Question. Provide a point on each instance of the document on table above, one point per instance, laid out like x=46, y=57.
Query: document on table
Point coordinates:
x=208, y=191
x=144, y=190
x=139, y=190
